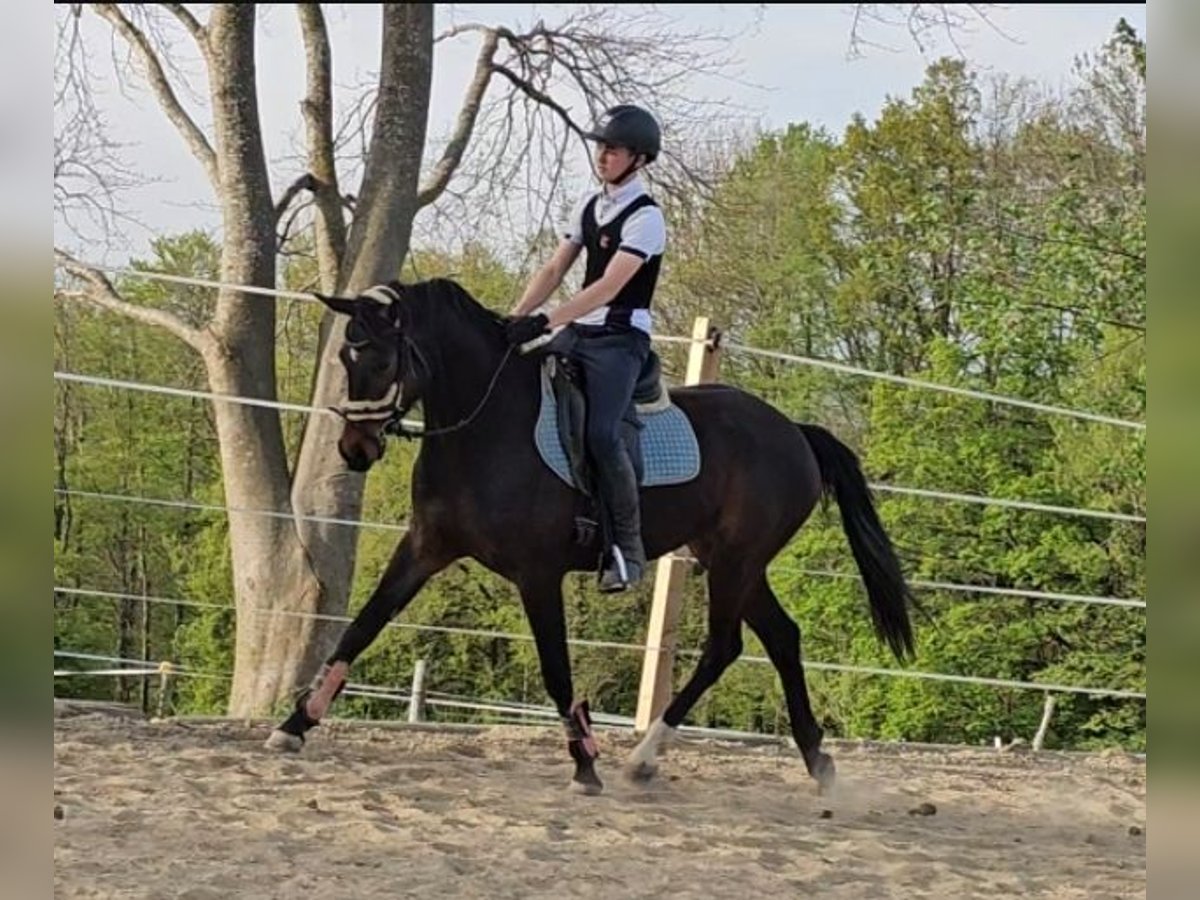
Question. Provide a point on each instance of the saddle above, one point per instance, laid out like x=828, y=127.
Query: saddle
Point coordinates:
x=661, y=442
x=570, y=409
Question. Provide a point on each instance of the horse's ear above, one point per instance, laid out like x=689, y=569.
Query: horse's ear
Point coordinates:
x=384, y=299
x=384, y=294
x=344, y=305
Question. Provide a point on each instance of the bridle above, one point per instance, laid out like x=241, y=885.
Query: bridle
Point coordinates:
x=391, y=408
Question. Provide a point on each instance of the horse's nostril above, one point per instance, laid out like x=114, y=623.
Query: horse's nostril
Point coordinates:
x=357, y=460
x=360, y=450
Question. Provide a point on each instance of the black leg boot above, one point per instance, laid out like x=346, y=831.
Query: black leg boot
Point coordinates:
x=627, y=561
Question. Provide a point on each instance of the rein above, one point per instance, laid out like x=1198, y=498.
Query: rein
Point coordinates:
x=391, y=409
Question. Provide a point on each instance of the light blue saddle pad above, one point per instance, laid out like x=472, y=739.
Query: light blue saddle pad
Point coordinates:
x=670, y=452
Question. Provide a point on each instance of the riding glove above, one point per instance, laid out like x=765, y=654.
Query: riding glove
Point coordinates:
x=524, y=329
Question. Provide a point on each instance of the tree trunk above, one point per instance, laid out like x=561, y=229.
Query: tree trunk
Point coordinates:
x=269, y=565
x=282, y=566
x=378, y=243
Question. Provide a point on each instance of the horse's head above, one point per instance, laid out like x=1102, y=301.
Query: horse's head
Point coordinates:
x=382, y=382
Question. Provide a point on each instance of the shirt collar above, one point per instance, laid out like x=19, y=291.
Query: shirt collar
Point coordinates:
x=634, y=187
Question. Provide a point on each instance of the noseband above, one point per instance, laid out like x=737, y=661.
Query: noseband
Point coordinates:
x=391, y=408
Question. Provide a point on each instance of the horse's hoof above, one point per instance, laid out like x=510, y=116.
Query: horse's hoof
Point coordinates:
x=641, y=772
x=588, y=787
x=825, y=773
x=283, y=742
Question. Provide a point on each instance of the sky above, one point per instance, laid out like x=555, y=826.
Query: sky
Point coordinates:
x=791, y=64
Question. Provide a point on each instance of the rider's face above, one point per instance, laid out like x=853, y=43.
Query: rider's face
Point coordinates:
x=612, y=161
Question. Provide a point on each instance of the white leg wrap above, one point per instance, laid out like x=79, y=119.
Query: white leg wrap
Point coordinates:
x=646, y=752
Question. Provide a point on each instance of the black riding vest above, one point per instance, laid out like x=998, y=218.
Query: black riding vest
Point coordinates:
x=602, y=243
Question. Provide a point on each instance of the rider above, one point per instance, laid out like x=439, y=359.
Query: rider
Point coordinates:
x=623, y=231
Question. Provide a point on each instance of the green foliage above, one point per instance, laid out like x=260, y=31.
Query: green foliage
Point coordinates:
x=131, y=444
x=999, y=248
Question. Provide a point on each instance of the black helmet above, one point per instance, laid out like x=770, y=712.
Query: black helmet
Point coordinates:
x=630, y=127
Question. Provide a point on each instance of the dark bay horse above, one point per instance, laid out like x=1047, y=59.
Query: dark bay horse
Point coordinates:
x=480, y=490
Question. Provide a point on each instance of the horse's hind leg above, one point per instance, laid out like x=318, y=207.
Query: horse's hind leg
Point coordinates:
x=780, y=637
x=406, y=574
x=724, y=645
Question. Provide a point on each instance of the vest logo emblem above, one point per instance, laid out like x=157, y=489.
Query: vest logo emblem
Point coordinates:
x=604, y=242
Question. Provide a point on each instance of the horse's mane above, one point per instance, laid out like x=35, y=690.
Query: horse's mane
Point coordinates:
x=437, y=299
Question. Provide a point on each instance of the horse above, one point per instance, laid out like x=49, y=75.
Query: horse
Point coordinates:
x=480, y=490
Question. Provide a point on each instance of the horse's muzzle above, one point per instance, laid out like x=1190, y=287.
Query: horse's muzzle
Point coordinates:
x=360, y=448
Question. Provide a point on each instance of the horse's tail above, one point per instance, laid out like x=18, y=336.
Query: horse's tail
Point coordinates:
x=877, y=562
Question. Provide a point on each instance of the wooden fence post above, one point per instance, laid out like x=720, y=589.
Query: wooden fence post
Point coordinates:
x=661, y=634
x=416, y=699
x=165, y=671
x=1047, y=712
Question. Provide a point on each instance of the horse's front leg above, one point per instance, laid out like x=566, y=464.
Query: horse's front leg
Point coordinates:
x=544, y=608
x=411, y=566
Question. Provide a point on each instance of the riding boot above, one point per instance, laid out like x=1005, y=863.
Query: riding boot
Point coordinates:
x=627, y=560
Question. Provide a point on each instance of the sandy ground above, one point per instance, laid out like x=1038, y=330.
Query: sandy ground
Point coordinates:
x=199, y=811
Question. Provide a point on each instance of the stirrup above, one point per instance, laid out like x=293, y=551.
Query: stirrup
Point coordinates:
x=616, y=576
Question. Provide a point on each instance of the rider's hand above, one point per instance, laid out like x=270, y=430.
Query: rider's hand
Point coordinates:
x=524, y=329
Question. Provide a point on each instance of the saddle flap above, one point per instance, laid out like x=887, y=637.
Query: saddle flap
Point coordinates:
x=570, y=409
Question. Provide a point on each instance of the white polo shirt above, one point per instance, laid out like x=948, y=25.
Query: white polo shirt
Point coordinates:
x=644, y=234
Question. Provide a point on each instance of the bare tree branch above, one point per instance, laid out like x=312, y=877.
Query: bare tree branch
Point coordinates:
x=527, y=88
x=305, y=182
x=140, y=44
x=89, y=174
x=191, y=23
x=456, y=30
x=100, y=291
x=452, y=155
x=526, y=146
x=921, y=20
x=284, y=234
x=378, y=242
x=318, y=119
